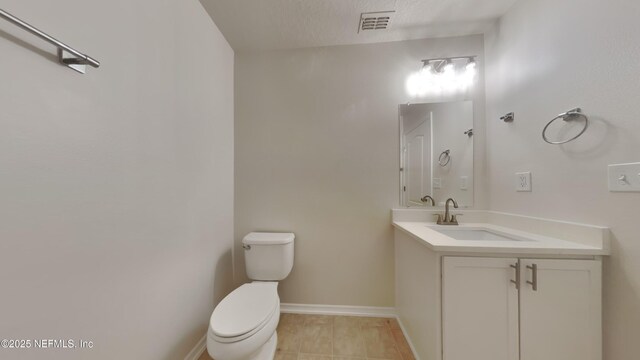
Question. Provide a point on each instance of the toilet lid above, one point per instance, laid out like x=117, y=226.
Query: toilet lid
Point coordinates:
x=244, y=310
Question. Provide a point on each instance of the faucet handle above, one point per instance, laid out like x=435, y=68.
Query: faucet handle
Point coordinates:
x=439, y=220
x=454, y=218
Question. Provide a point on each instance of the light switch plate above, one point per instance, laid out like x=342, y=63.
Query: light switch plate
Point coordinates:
x=437, y=183
x=624, y=177
x=523, y=181
x=464, y=182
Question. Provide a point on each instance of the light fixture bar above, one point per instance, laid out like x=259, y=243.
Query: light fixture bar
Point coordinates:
x=426, y=61
x=441, y=75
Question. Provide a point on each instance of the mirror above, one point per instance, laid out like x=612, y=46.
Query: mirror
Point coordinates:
x=436, y=153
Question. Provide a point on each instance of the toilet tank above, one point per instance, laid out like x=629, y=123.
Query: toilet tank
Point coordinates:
x=268, y=256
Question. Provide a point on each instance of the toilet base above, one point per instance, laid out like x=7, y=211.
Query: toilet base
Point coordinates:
x=268, y=350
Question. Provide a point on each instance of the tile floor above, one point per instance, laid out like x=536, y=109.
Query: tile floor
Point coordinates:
x=321, y=337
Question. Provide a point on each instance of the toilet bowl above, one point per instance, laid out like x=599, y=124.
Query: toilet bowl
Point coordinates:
x=243, y=325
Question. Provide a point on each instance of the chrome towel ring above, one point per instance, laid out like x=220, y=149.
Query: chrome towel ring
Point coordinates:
x=444, y=158
x=572, y=114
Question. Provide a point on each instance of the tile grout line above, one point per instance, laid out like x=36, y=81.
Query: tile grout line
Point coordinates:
x=395, y=341
x=299, y=347
x=333, y=323
x=301, y=340
x=361, y=328
x=402, y=356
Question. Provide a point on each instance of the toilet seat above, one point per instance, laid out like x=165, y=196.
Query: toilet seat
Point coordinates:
x=244, y=312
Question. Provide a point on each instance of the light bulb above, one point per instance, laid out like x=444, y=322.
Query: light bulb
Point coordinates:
x=471, y=63
x=471, y=68
x=447, y=79
x=448, y=67
x=413, y=84
x=467, y=78
x=427, y=69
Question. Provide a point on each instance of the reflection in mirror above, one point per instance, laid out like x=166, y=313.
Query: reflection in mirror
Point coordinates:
x=436, y=153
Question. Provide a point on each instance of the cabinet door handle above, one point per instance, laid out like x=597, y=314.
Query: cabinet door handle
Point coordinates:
x=534, y=276
x=517, y=280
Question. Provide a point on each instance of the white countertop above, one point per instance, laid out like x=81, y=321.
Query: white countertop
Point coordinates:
x=532, y=244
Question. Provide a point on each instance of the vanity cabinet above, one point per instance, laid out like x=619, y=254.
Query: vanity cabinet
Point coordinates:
x=463, y=305
x=517, y=308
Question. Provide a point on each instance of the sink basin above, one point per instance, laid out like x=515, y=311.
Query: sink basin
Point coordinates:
x=474, y=234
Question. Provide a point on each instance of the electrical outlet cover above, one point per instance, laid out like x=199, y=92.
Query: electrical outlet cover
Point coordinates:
x=523, y=181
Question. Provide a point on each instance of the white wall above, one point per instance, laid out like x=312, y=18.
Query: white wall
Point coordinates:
x=116, y=187
x=317, y=153
x=548, y=56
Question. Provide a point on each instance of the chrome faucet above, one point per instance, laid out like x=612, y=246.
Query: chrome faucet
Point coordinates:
x=427, y=198
x=448, y=219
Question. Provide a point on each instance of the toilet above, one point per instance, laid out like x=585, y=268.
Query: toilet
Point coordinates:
x=243, y=325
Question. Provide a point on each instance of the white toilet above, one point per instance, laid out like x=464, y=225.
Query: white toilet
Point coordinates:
x=243, y=325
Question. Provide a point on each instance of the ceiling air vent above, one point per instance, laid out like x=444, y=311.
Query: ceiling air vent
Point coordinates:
x=378, y=20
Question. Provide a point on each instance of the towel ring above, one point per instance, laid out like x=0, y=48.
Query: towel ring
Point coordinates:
x=567, y=116
x=444, y=158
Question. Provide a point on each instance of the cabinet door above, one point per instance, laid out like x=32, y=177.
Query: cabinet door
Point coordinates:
x=479, y=309
x=561, y=319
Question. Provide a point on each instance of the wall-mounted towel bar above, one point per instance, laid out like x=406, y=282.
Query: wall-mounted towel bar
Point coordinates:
x=66, y=54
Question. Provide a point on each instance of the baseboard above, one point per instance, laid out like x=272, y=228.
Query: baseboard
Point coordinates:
x=371, y=311
x=197, y=350
x=406, y=336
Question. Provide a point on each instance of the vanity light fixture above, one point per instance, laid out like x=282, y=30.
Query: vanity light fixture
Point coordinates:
x=443, y=75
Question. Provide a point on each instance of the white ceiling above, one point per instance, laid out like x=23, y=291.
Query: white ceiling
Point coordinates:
x=251, y=25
